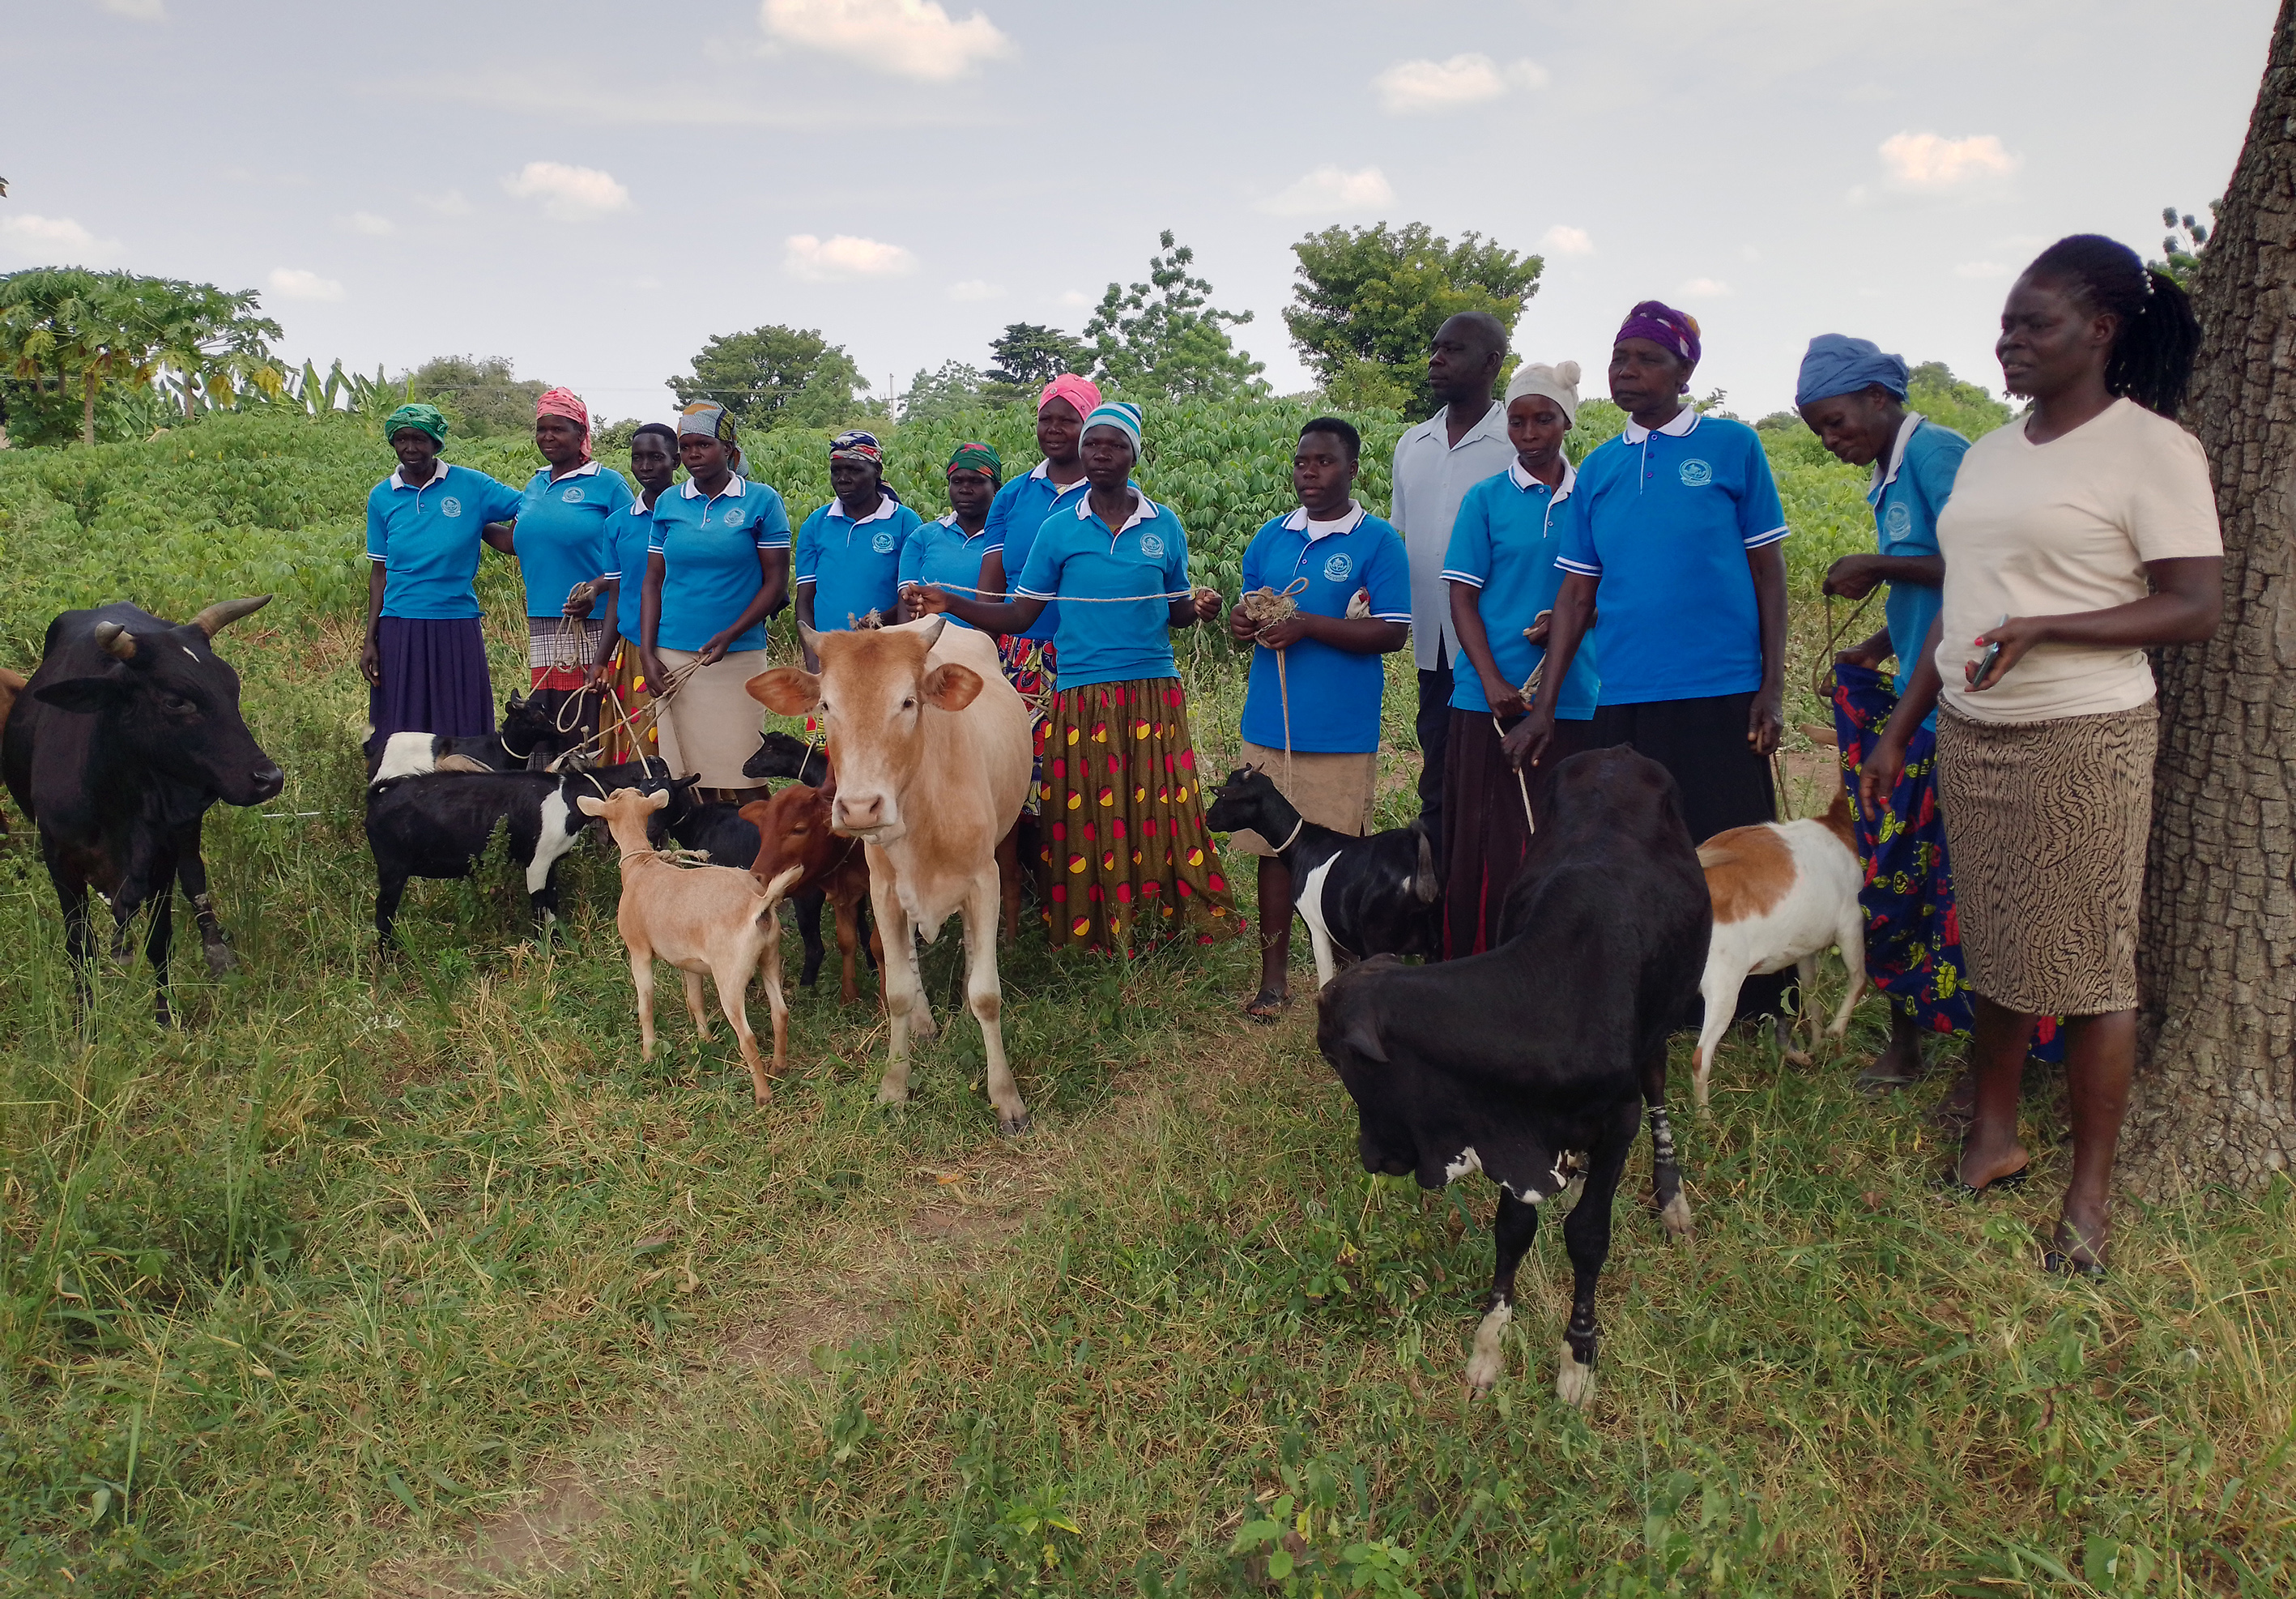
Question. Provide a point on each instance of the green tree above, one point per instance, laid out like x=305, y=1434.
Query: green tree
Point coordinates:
x=830, y=398
x=1164, y=338
x=484, y=398
x=1933, y=389
x=1369, y=299
x=2186, y=239
x=957, y=386
x=208, y=341
x=760, y=374
x=65, y=326
x=1027, y=354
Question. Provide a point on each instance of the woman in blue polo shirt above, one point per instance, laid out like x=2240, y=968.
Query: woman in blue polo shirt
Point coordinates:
x=1853, y=397
x=1311, y=707
x=563, y=540
x=848, y=552
x=1677, y=538
x=616, y=673
x=953, y=553
x=1502, y=577
x=1031, y=657
x=1125, y=854
x=716, y=566
x=425, y=654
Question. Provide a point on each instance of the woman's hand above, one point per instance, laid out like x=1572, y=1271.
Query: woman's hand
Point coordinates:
x=1766, y=721
x=581, y=601
x=1869, y=653
x=1504, y=698
x=1877, y=777
x=1283, y=634
x=1541, y=626
x=715, y=649
x=1241, y=628
x=1207, y=604
x=371, y=661
x=1525, y=743
x=1851, y=578
x=650, y=664
x=2016, y=637
x=601, y=676
x=931, y=599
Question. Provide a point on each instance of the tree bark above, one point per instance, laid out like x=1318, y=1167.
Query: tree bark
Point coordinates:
x=87, y=407
x=2215, y=1092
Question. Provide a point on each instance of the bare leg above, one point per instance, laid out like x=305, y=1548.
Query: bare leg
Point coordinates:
x=2100, y=1060
x=1990, y=1149
x=1516, y=1225
x=1901, y=1060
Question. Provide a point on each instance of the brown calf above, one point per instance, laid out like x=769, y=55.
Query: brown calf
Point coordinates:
x=12, y=683
x=793, y=829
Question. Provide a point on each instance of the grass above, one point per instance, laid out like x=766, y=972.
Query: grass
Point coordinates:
x=418, y=1280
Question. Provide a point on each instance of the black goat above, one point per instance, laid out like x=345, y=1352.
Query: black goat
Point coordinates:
x=529, y=741
x=783, y=755
x=731, y=840
x=1359, y=896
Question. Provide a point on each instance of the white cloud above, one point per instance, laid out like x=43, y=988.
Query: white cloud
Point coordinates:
x=294, y=283
x=820, y=260
x=568, y=193
x=1329, y=189
x=975, y=288
x=1980, y=269
x=56, y=240
x=140, y=11
x=452, y=203
x=1468, y=79
x=1927, y=161
x=370, y=225
x=1705, y=288
x=910, y=38
x=1076, y=297
x=1565, y=241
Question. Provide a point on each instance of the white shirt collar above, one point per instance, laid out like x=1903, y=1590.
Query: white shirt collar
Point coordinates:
x=1491, y=425
x=1523, y=479
x=885, y=505
x=398, y=478
x=1684, y=422
x=1142, y=510
x=950, y=522
x=734, y=487
x=588, y=469
x=1300, y=522
x=1886, y=472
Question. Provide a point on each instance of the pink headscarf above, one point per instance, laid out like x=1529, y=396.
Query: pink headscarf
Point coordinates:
x=566, y=403
x=1082, y=393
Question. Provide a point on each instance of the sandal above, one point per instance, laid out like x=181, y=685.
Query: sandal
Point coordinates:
x=1266, y=1006
x=2059, y=1260
x=1951, y=1182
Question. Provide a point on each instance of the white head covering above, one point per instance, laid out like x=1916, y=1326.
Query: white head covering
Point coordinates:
x=1558, y=383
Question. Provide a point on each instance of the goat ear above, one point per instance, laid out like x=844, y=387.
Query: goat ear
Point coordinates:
x=84, y=695
x=785, y=689
x=951, y=687
x=590, y=805
x=1424, y=884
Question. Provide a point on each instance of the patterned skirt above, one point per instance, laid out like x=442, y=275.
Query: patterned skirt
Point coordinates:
x=627, y=699
x=1125, y=859
x=2049, y=822
x=1030, y=664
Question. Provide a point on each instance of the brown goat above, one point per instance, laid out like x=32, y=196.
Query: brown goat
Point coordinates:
x=793, y=829
x=698, y=919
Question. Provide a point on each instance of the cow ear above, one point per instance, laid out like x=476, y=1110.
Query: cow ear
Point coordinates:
x=590, y=805
x=952, y=687
x=785, y=689
x=85, y=695
x=1363, y=1037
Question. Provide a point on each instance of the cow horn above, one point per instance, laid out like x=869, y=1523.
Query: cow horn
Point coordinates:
x=222, y=613
x=116, y=640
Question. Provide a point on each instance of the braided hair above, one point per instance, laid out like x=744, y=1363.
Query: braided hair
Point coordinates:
x=2153, y=351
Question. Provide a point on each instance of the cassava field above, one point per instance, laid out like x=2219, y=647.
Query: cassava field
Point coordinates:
x=413, y=1280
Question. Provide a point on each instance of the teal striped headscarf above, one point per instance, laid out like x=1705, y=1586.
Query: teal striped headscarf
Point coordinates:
x=1122, y=415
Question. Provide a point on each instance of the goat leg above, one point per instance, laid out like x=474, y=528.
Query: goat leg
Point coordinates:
x=1516, y=1225
x=1586, y=1239
x=808, y=930
x=1665, y=1176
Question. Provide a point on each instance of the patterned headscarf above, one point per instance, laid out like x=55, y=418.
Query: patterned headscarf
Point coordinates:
x=1122, y=415
x=858, y=446
x=707, y=419
x=565, y=403
x=422, y=418
x=977, y=457
x=1666, y=327
x=1082, y=393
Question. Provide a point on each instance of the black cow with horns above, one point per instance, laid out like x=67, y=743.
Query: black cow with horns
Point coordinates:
x=126, y=734
x=1532, y=1063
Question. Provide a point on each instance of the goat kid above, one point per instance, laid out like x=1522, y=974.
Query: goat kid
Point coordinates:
x=794, y=829
x=1359, y=896
x=712, y=919
x=529, y=741
x=1783, y=892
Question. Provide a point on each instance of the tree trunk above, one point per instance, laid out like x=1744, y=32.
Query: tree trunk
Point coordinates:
x=2216, y=1093
x=87, y=407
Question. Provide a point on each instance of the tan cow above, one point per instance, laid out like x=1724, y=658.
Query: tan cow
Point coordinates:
x=930, y=748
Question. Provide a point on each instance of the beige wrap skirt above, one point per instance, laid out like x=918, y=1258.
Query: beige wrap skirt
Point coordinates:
x=709, y=724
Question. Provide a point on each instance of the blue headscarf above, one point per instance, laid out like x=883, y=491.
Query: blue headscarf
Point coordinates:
x=1838, y=364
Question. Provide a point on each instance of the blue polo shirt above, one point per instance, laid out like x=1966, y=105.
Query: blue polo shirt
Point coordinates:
x=1503, y=543
x=632, y=531
x=565, y=532
x=1907, y=498
x=709, y=547
x=1075, y=553
x=855, y=567
x=1014, y=516
x=1664, y=523
x=1335, y=693
x=939, y=552
x=427, y=540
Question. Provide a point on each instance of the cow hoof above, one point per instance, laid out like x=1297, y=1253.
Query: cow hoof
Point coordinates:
x=220, y=961
x=1574, y=1384
x=1675, y=1218
x=1014, y=1126
x=1489, y=1361
x=887, y=1095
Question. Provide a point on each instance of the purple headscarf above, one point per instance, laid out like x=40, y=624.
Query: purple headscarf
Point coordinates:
x=1664, y=326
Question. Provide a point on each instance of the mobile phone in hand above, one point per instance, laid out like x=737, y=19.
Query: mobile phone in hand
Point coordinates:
x=1985, y=661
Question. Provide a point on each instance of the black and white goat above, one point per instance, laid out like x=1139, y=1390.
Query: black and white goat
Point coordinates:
x=1359, y=896
x=529, y=741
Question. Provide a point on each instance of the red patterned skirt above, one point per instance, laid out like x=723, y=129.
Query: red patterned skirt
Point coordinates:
x=1030, y=664
x=1125, y=857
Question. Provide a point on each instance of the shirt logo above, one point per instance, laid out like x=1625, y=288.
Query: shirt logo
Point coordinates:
x=1151, y=546
x=572, y=497
x=1336, y=569
x=1696, y=474
x=733, y=518
x=450, y=506
x=1898, y=521
x=883, y=542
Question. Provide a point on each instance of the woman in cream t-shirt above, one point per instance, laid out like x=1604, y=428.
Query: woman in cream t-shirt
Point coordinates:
x=2076, y=535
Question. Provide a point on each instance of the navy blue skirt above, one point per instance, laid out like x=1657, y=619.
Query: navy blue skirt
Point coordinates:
x=434, y=680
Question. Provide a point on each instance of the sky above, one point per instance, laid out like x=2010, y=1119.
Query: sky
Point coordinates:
x=593, y=190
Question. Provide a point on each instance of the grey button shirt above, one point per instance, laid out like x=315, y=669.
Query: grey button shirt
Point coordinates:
x=1431, y=476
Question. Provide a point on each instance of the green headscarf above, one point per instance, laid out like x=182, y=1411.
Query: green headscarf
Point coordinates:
x=977, y=457
x=422, y=418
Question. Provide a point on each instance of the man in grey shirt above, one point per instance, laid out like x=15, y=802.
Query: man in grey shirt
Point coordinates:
x=1436, y=463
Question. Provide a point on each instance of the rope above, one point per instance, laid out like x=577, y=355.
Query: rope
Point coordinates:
x=1266, y=607
x=1520, y=782
x=1821, y=671
x=1001, y=595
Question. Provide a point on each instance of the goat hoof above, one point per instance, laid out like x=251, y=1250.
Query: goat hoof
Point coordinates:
x=887, y=1095
x=1675, y=1216
x=1797, y=1057
x=1488, y=1360
x=1574, y=1384
x=220, y=961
